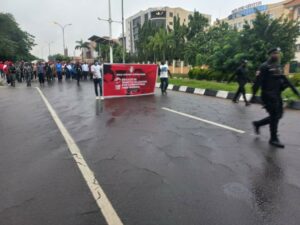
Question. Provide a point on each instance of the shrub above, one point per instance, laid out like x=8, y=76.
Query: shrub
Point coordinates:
x=295, y=79
x=203, y=74
x=207, y=74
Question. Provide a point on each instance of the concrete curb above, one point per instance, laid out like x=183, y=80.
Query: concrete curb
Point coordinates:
x=221, y=94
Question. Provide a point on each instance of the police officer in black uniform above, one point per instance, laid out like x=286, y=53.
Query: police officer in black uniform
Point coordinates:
x=272, y=82
x=242, y=78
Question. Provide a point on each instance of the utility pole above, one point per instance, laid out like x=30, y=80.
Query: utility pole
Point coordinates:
x=123, y=33
x=110, y=21
x=49, y=47
x=110, y=34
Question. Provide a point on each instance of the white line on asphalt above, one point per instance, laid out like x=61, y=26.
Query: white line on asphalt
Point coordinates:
x=205, y=121
x=100, y=197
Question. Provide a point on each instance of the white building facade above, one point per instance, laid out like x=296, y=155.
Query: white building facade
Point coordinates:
x=161, y=17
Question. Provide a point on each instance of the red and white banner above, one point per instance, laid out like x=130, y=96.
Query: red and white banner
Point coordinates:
x=126, y=80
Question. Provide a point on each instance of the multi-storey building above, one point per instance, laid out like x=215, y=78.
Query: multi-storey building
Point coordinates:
x=294, y=13
x=287, y=8
x=161, y=17
x=239, y=16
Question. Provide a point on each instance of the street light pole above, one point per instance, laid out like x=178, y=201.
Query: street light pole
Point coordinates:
x=63, y=31
x=49, y=47
x=123, y=33
x=110, y=34
x=110, y=21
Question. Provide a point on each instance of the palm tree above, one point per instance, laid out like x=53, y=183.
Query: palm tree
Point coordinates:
x=164, y=42
x=152, y=46
x=82, y=45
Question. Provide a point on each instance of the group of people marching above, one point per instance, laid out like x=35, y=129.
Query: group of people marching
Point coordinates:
x=44, y=71
x=49, y=71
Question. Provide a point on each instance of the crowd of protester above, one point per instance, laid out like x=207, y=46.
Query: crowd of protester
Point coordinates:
x=19, y=72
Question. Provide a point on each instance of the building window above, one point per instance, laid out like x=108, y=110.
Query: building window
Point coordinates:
x=136, y=21
x=298, y=48
x=146, y=17
x=298, y=12
x=171, y=23
x=171, y=14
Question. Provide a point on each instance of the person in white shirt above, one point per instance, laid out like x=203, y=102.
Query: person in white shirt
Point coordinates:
x=85, y=70
x=96, y=70
x=164, y=73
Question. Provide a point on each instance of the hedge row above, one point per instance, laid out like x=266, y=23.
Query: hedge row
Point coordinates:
x=207, y=74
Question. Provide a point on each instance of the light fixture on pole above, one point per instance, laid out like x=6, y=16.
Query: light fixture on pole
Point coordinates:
x=63, y=31
x=110, y=21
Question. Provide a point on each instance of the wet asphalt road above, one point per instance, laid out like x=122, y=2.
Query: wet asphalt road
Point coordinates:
x=156, y=167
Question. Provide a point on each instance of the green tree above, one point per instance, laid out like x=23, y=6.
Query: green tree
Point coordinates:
x=15, y=44
x=105, y=51
x=145, y=31
x=59, y=57
x=196, y=35
x=178, y=34
x=164, y=42
x=197, y=24
x=82, y=45
x=266, y=33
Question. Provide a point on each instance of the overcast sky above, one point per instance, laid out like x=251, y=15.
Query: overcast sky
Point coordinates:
x=37, y=17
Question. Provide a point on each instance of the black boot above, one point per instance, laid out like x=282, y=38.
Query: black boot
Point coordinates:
x=253, y=99
x=276, y=143
x=256, y=128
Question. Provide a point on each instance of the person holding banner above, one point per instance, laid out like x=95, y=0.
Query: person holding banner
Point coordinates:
x=96, y=70
x=164, y=74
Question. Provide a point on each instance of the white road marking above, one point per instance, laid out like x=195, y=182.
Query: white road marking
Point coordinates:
x=100, y=197
x=205, y=121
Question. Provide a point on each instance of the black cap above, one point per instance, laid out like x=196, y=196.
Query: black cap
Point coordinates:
x=271, y=51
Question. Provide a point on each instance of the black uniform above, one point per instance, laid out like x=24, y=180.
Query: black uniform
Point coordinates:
x=242, y=78
x=78, y=70
x=28, y=74
x=255, y=87
x=48, y=71
x=272, y=82
x=12, y=75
